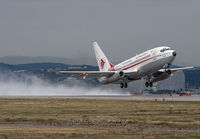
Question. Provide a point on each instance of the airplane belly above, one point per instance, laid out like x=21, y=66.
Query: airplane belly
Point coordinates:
x=153, y=66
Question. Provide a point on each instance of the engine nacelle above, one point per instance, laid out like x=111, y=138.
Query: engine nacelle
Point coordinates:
x=117, y=76
x=162, y=76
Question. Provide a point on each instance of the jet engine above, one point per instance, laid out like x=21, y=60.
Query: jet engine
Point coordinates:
x=117, y=76
x=161, y=76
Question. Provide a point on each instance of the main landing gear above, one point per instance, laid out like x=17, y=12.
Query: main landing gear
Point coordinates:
x=148, y=84
x=123, y=85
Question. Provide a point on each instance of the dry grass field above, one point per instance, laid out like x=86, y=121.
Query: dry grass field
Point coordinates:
x=76, y=118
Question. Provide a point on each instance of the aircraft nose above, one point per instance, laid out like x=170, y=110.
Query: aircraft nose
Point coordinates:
x=174, y=54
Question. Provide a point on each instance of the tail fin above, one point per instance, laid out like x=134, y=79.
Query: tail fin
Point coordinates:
x=102, y=61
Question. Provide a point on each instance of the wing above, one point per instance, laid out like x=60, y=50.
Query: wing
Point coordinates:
x=96, y=74
x=131, y=73
x=173, y=70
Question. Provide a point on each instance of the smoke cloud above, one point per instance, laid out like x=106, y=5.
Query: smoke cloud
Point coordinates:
x=30, y=85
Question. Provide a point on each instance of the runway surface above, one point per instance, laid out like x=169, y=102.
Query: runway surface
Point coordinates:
x=115, y=97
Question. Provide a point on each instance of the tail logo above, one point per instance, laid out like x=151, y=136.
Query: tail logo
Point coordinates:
x=102, y=63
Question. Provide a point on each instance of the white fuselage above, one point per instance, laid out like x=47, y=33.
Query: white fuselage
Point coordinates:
x=153, y=64
x=147, y=62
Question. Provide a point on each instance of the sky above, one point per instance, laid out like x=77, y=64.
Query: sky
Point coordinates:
x=123, y=28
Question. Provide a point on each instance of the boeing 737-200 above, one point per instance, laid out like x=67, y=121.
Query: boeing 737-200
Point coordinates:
x=153, y=64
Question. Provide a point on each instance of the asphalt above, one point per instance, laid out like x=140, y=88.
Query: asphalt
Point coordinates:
x=117, y=97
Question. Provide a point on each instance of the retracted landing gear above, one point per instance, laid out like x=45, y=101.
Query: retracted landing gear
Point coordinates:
x=123, y=85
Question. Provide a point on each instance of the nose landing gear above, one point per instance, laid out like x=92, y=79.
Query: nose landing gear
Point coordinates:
x=123, y=85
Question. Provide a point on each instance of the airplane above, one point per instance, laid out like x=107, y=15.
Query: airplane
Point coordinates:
x=153, y=64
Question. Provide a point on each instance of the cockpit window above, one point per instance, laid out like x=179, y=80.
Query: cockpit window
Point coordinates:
x=165, y=49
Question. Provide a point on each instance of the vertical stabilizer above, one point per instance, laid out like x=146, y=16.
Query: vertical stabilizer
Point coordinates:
x=102, y=61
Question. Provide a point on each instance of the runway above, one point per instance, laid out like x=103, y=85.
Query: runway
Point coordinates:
x=116, y=97
x=142, y=97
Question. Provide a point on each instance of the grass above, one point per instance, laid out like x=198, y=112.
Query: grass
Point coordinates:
x=99, y=118
x=10, y=132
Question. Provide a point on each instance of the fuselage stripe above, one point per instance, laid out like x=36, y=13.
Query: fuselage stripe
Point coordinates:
x=140, y=62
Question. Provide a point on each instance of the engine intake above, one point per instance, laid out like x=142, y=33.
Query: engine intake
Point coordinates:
x=169, y=72
x=121, y=73
x=162, y=76
x=114, y=78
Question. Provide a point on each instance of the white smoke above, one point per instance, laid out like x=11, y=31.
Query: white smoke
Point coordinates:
x=29, y=85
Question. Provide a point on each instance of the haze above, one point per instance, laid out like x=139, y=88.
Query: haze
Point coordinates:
x=31, y=85
x=123, y=28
